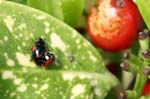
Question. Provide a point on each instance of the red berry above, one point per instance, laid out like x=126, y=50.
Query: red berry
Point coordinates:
x=113, y=25
x=146, y=89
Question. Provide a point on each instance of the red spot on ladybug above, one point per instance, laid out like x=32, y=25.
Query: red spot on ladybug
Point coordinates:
x=41, y=55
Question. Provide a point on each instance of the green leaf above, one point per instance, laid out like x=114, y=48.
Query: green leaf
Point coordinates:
x=52, y=7
x=43, y=84
x=19, y=1
x=72, y=10
x=67, y=10
x=145, y=10
x=78, y=65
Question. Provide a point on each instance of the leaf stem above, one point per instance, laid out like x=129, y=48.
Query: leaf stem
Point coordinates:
x=139, y=84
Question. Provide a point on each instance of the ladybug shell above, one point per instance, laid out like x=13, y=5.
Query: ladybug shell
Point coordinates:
x=50, y=61
x=34, y=49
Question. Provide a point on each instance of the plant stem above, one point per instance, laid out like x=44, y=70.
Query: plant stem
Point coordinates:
x=139, y=84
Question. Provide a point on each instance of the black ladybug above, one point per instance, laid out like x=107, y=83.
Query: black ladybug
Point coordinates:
x=40, y=54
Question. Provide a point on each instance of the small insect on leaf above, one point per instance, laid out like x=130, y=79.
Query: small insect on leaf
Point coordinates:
x=41, y=55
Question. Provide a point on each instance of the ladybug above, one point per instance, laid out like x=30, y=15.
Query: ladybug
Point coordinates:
x=41, y=55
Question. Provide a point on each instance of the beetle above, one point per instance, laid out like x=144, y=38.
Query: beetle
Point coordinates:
x=41, y=55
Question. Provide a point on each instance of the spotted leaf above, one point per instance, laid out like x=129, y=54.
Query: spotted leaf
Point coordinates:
x=78, y=66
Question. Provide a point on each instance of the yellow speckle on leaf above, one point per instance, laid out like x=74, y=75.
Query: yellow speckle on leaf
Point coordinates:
x=8, y=75
x=17, y=81
x=77, y=90
x=24, y=59
x=10, y=62
x=9, y=21
x=22, y=88
x=44, y=87
x=5, y=38
x=57, y=42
